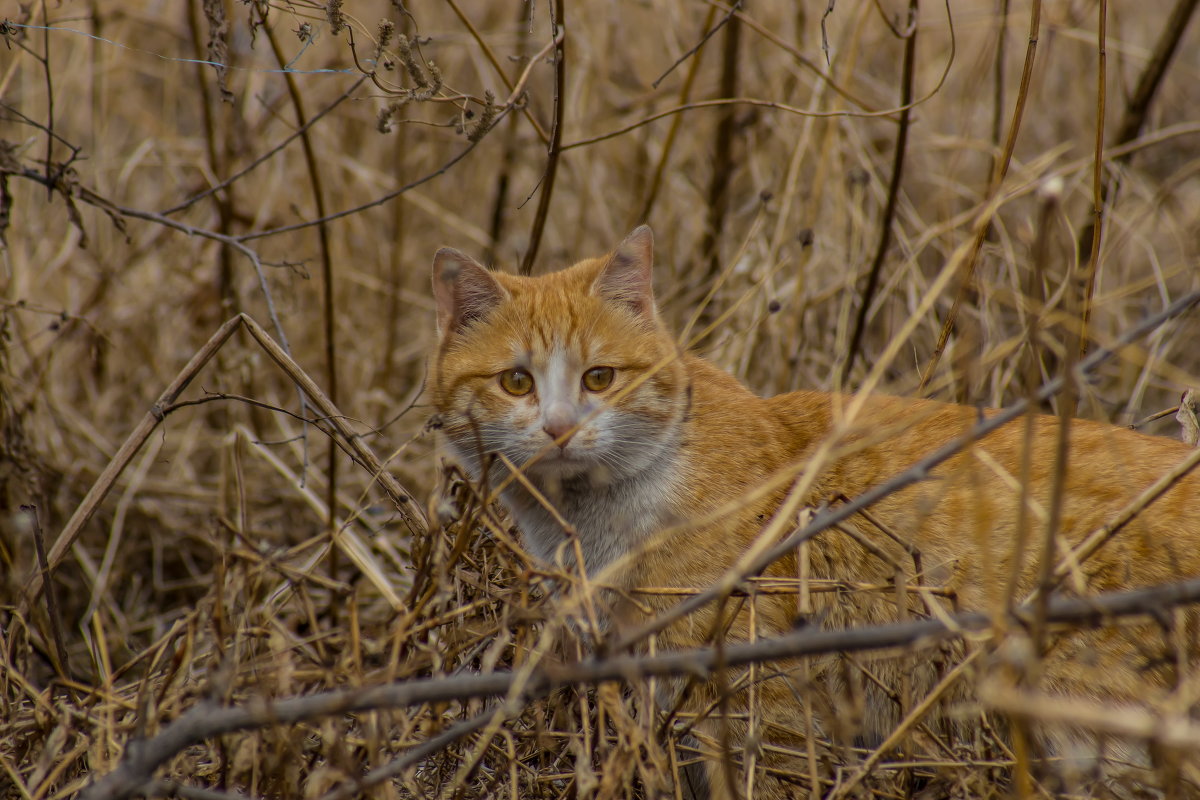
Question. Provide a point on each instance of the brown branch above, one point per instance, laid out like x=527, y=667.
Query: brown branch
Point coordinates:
x=722, y=170
x=327, y=295
x=1128, y=130
x=207, y=720
x=410, y=511
x=889, y=211
x=731, y=101
x=555, y=148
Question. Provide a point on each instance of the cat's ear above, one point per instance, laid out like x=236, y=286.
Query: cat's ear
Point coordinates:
x=464, y=289
x=626, y=277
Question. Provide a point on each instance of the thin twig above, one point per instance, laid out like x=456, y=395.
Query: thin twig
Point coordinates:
x=224, y=203
x=392, y=195
x=753, y=101
x=668, y=145
x=1157, y=415
x=1104, y=534
x=44, y=58
x=266, y=155
x=1096, y=225
x=1034, y=295
x=495, y=62
x=1170, y=730
x=798, y=54
x=730, y=101
x=507, y=161
x=39, y=542
x=1068, y=400
x=997, y=180
x=411, y=757
x=708, y=34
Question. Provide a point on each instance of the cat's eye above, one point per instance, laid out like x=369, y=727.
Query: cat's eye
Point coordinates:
x=516, y=382
x=597, y=379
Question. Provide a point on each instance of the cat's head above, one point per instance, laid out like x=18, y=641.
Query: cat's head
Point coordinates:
x=567, y=374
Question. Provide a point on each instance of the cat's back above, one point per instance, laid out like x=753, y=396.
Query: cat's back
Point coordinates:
x=1109, y=471
x=734, y=441
x=889, y=432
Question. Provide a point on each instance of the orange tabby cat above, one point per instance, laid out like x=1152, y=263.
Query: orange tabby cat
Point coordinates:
x=656, y=461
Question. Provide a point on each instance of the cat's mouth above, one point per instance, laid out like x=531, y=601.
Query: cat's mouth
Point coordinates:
x=558, y=457
x=561, y=463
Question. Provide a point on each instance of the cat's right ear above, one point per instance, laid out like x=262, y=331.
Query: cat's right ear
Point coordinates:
x=464, y=289
x=627, y=276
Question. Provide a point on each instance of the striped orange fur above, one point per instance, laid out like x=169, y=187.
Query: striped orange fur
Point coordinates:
x=671, y=470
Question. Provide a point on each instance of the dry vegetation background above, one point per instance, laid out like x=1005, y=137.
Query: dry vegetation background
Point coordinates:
x=214, y=572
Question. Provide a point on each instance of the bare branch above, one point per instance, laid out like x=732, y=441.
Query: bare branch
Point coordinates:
x=207, y=720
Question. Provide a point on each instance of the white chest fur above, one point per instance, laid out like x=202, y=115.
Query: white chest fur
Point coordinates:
x=610, y=519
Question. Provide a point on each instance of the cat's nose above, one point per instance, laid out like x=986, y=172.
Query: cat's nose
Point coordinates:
x=559, y=424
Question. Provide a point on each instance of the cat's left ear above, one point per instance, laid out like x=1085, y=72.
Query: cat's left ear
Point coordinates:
x=464, y=289
x=627, y=276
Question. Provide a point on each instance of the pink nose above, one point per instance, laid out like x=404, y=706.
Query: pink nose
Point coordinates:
x=559, y=432
x=559, y=425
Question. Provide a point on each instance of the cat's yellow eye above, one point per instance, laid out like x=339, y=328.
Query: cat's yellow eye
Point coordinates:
x=516, y=382
x=597, y=379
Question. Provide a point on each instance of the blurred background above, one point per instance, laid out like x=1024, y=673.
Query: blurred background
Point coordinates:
x=166, y=165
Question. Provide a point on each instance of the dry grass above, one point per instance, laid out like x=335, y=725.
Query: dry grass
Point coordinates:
x=214, y=571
